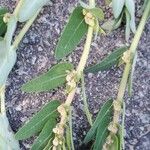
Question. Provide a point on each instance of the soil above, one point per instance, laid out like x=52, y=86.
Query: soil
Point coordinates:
x=36, y=55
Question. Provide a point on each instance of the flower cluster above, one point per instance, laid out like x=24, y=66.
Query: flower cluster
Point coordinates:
x=71, y=80
x=59, y=129
x=89, y=18
x=126, y=56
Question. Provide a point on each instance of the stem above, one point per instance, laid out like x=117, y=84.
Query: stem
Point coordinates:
x=63, y=109
x=92, y=3
x=2, y=100
x=123, y=126
x=82, y=62
x=24, y=30
x=87, y=112
x=70, y=128
x=113, y=128
x=18, y=8
x=132, y=49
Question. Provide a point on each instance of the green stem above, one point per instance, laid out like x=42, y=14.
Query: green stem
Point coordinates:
x=132, y=49
x=86, y=109
x=24, y=30
x=92, y=3
x=123, y=126
x=16, y=11
x=70, y=128
x=124, y=80
x=2, y=100
x=79, y=70
x=82, y=62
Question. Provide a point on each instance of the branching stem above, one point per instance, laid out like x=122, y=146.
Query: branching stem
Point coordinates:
x=114, y=125
x=128, y=66
x=24, y=30
x=82, y=62
x=79, y=70
x=132, y=49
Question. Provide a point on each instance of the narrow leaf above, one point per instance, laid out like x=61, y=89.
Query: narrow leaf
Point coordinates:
x=45, y=135
x=72, y=34
x=86, y=107
x=106, y=111
x=49, y=145
x=130, y=5
x=127, y=31
x=102, y=133
x=3, y=25
x=117, y=6
x=7, y=61
x=120, y=139
x=7, y=52
x=36, y=124
x=54, y=78
x=108, y=25
x=7, y=139
x=68, y=137
x=107, y=62
x=11, y=27
x=98, y=13
x=29, y=8
x=115, y=144
x=84, y=5
x=130, y=80
x=118, y=21
x=1, y=38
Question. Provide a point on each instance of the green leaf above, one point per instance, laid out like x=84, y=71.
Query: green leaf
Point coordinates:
x=102, y=133
x=127, y=31
x=68, y=137
x=11, y=27
x=118, y=21
x=36, y=124
x=72, y=34
x=108, y=25
x=84, y=5
x=7, y=139
x=49, y=145
x=85, y=103
x=117, y=6
x=105, y=112
x=45, y=135
x=7, y=52
x=1, y=38
x=98, y=13
x=130, y=5
x=115, y=144
x=130, y=80
x=55, y=77
x=3, y=25
x=7, y=61
x=120, y=138
x=107, y=62
x=29, y=8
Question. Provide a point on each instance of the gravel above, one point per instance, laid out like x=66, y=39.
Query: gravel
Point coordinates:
x=36, y=55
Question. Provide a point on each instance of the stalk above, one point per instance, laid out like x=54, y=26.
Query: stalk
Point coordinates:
x=131, y=52
x=24, y=30
x=86, y=109
x=2, y=100
x=63, y=109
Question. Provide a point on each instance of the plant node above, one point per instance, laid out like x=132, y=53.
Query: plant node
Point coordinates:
x=71, y=81
x=7, y=17
x=89, y=18
x=127, y=56
x=59, y=129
